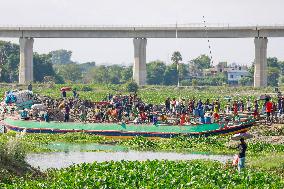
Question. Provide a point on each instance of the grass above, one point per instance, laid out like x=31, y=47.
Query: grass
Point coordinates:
x=270, y=161
x=12, y=161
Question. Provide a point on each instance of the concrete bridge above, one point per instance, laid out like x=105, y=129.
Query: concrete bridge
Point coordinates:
x=140, y=34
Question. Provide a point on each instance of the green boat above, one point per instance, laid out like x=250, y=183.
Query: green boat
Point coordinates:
x=126, y=130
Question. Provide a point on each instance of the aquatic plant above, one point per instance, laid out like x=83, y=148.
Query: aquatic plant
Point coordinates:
x=152, y=174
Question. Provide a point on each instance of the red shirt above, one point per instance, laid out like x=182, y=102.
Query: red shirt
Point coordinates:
x=182, y=119
x=269, y=106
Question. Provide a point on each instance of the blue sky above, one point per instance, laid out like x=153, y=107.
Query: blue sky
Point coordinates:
x=155, y=12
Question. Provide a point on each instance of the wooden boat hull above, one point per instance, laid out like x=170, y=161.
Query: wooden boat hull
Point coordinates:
x=130, y=131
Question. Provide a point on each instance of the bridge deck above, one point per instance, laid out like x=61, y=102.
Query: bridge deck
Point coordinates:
x=135, y=31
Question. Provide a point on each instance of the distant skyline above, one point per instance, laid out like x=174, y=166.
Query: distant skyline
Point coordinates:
x=147, y=12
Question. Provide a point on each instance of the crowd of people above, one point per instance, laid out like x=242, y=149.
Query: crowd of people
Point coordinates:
x=131, y=109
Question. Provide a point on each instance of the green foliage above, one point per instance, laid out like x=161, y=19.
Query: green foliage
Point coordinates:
x=85, y=67
x=9, y=61
x=274, y=68
x=194, y=82
x=61, y=56
x=9, y=57
x=152, y=174
x=216, y=80
x=12, y=150
x=113, y=74
x=183, y=71
x=158, y=73
x=69, y=72
x=176, y=57
x=86, y=88
x=180, y=144
x=201, y=62
x=12, y=160
x=42, y=66
x=132, y=87
x=155, y=72
x=272, y=76
x=246, y=81
x=38, y=142
x=171, y=75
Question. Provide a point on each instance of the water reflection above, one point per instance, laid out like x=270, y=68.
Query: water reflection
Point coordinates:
x=65, y=159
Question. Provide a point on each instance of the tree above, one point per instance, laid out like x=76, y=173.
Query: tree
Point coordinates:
x=84, y=67
x=61, y=56
x=272, y=62
x=201, y=62
x=70, y=72
x=273, y=71
x=11, y=69
x=183, y=71
x=42, y=66
x=281, y=66
x=171, y=75
x=132, y=87
x=99, y=74
x=9, y=61
x=114, y=73
x=273, y=76
x=251, y=69
x=126, y=74
x=155, y=72
x=281, y=81
x=194, y=82
x=176, y=57
x=246, y=81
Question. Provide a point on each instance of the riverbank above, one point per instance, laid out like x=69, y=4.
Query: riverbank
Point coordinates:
x=12, y=162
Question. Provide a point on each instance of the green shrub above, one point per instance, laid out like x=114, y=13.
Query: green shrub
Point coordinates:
x=132, y=87
x=86, y=88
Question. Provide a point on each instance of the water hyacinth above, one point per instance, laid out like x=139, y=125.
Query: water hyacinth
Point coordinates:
x=153, y=174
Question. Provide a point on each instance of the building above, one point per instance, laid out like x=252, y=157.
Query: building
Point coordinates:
x=220, y=68
x=233, y=71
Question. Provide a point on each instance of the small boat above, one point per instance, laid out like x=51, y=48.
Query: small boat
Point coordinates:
x=127, y=130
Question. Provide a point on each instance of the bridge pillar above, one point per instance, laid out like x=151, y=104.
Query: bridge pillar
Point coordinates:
x=260, y=64
x=26, y=60
x=139, y=67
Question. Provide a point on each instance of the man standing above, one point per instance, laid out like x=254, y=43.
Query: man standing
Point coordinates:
x=30, y=87
x=168, y=104
x=255, y=112
x=63, y=94
x=66, y=113
x=269, y=108
x=242, y=154
x=248, y=105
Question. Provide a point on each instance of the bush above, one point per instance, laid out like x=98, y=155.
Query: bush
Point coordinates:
x=194, y=82
x=132, y=86
x=86, y=88
x=186, y=82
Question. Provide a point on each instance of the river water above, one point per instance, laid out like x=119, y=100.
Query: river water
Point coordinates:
x=65, y=159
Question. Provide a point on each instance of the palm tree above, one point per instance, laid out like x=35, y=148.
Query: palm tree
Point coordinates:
x=176, y=58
